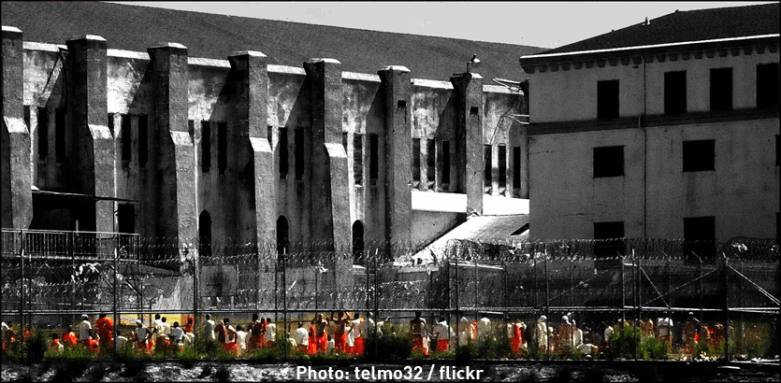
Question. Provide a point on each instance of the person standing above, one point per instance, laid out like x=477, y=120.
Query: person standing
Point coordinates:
x=516, y=338
x=85, y=331
x=241, y=340
x=121, y=341
x=541, y=333
x=312, y=349
x=442, y=333
x=340, y=336
x=483, y=329
x=302, y=338
x=271, y=333
x=208, y=328
x=417, y=333
x=466, y=331
x=177, y=337
x=105, y=327
x=256, y=330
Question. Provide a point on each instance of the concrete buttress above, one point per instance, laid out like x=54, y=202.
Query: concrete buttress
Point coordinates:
x=469, y=133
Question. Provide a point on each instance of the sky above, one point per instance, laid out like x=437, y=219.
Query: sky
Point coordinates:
x=540, y=24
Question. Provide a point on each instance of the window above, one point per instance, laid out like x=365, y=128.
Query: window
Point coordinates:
x=222, y=147
x=126, y=217
x=767, y=85
x=358, y=159
x=299, y=152
x=373, y=158
x=143, y=140
x=516, y=167
x=127, y=140
x=675, y=92
x=446, y=162
x=111, y=123
x=776, y=149
x=43, y=133
x=487, y=157
x=283, y=153
x=609, y=239
x=608, y=161
x=345, y=140
x=720, y=89
x=27, y=117
x=699, y=235
x=698, y=156
x=431, y=161
x=607, y=99
x=502, y=166
x=416, y=161
x=206, y=146
x=270, y=135
x=59, y=134
x=205, y=234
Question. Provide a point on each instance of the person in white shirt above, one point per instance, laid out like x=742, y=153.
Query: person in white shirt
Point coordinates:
x=541, y=333
x=271, y=333
x=577, y=335
x=331, y=345
x=241, y=339
x=664, y=326
x=121, y=340
x=355, y=335
x=177, y=336
x=141, y=336
x=302, y=337
x=208, y=328
x=85, y=330
x=465, y=333
x=442, y=332
x=483, y=329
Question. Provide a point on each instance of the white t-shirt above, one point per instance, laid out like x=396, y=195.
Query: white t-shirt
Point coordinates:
x=483, y=328
x=442, y=331
x=84, y=330
x=271, y=332
x=302, y=337
x=608, y=333
x=159, y=328
x=209, y=329
x=241, y=339
x=356, y=326
x=167, y=328
x=178, y=334
x=141, y=333
x=121, y=340
x=664, y=325
x=330, y=347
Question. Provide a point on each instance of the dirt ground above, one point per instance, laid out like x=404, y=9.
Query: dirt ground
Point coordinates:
x=243, y=372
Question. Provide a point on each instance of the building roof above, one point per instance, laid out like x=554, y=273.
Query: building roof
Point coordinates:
x=285, y=43
x=686, y=26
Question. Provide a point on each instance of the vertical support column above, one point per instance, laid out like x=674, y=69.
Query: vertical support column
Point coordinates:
x=525, y=143
x=88, y=107
x=328, y=178
x=15, y=181
x=176, y=207
x=398, y=153
x=469, y=138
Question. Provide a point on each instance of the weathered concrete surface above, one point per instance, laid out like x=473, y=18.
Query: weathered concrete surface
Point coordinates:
x=398, y=123
x=15, y=170
x=89, y=121
x=469, y=132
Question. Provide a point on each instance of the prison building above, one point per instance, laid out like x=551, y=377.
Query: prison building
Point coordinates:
x=251, y=146
x=663, y=129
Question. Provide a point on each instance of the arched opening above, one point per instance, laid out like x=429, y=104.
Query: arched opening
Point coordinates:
x=358, y=244
x=283, y=236
x=205, y=233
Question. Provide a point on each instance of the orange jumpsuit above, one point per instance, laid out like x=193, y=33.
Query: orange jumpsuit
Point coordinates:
x=105, y=328
x=517, y=339
x=312, y=349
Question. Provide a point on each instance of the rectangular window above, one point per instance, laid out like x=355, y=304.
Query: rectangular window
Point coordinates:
x=698, y=156
x=127, y=139
x=126, y=217
x=609, y=240
x=608, y=161
x=416, y=160
x=59, y=134
x=111, y=124
x=206, y=146
x=767, y=85
x=720, y=89
x=431, y=162
x=374, y=165
x=143, y=140
x=446, y=162
x=699, y=236
x=675, y=92
x=27, y=117
x=516, y=167
x=43, y=133
x=222, y=147
x=776, y=149
x=345, y=141
x=299, y=153
x=270, y=136
x=283, y=153
x=358, y=159
x=502, y=166
x=487, y=157
x=607, y=99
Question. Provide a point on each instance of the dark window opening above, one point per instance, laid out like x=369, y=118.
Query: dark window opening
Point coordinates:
x=358, y=244
x=446, y=162
x=222, y=147
x=127, y=140
x=345, y=141
x=402, y=104
x=205, y=234
x=283, y=236
x=607, y=99
x=283, y=153
x=776, y=149
x=675, y=92
x=143, y=140
x=374, y=157
x=111, y=124
x=27, y=117
x=609, y=161
x=767, y=85
x=474, y=111
x=206, y=146
x=516, y=167
x=43, y=133
x=270, y=135
x=431, y=162
x=358, y=159
x=699, y=236
x=720, y=89
x=59, y=134
x=698, y=156
x=487, y=157
x=299, y=153
x=416, y=160
x=126, y=218
x=502, y=166
x=609, y=240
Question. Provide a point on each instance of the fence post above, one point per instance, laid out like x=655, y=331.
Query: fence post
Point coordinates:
x=726, y=308
x=72, y=243
x=284, y=298
x=547, y=304
x=196, y=293
x=258, y=275
x=699, y=285
x=116, y=294
x=21, y=293
x=623, y=291
x=457, y=318
x=376, y=301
